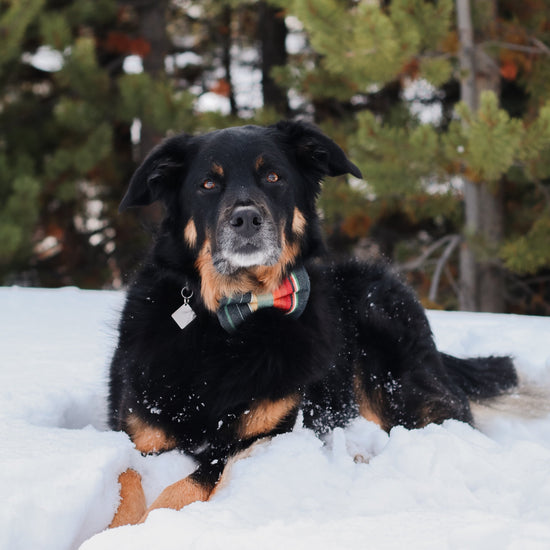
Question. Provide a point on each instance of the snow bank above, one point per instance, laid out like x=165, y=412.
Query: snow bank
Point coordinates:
x=440, y=487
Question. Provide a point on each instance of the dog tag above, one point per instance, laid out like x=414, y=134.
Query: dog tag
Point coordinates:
x=184, y=314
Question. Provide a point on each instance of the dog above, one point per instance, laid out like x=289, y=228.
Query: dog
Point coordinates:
x=234, y=322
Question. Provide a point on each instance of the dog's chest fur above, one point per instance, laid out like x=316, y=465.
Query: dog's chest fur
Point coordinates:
x=200, y=379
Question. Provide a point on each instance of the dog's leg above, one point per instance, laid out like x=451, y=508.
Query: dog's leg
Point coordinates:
x=196, y=487
x=179, y=494
x=200, y=485
x=132, y=500
x=148, y=439
x=411, y=392
x=264, y=419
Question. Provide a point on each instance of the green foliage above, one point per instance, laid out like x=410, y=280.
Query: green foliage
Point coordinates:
x=67, y=131
x=73, y=114
x=361, y=41
x=538, y=83
x=19, y=190
x=491, y=138
x=154, y=101
x=395, y=160
x=56, y=129
x=420, y=16
x=68, y=165
x=55, y=30
x=530, y=252
x=342, y=205
x=315, y=83
x=95, y=13
x=367, y=46
x=81, y=73
x=13, y=25
x=436, y=70
x=359, y=48
x=535, y=150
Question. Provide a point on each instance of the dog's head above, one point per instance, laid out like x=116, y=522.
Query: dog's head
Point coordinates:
x=241, y=200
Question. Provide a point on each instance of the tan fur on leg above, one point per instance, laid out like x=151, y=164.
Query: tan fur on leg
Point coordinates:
x=179, y=494
x=132, y=500
x=146, y=438
x=226, y=475
x=369, y=408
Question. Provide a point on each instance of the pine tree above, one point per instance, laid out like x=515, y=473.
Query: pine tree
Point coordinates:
x=365, y=56
x=65, y=146
x=67, y=151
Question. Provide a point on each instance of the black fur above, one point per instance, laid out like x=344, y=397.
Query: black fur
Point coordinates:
x=363, y=342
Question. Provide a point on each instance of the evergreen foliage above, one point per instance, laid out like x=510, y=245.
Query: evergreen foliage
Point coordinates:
x=368, y=74
x=65, y=144
x=501, y=145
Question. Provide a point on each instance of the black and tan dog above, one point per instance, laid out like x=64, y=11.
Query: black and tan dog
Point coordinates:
x=274, y=330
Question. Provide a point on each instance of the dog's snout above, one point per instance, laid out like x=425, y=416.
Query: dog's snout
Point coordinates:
x=246, y=220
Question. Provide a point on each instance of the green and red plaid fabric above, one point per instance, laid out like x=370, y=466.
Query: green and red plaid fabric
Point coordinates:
x=291, y=298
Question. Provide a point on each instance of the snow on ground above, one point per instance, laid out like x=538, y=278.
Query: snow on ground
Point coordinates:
x=442, y=487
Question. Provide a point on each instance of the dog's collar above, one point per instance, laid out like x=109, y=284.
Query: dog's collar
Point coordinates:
x=291, y=298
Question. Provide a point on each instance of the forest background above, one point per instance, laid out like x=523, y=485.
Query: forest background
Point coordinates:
x=444, y=105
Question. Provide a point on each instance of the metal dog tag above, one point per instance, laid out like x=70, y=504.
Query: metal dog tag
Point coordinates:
x=184, y=314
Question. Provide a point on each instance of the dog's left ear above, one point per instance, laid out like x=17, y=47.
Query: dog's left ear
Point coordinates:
x=315, y=149
x=158, y=176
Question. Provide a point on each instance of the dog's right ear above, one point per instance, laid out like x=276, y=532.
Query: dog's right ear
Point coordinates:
x=157, y=177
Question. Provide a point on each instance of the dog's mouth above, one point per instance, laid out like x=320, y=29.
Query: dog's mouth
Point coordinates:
x=248, y=249
x=230, y=259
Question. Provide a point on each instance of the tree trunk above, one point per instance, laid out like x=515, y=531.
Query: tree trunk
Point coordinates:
x=481, y=278
x=226, y=56
x=151, y=15
x=152, y=28
x=272, y=30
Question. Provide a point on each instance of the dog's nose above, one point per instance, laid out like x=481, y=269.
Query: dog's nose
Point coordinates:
x=246, y=220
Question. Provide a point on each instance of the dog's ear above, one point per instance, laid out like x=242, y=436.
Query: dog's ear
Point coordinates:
x=315, y=149
x=157, y=177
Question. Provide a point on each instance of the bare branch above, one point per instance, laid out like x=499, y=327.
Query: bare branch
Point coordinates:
x=511, y=46
x=544, y=191
x=539, y=47
x=454, y=241
x=452, y=281
x=417, y=263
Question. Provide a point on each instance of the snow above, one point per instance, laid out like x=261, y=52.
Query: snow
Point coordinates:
x=132, y=64
x=420, y=93
x=441, y=487
x=45, y=58
x=212, y=102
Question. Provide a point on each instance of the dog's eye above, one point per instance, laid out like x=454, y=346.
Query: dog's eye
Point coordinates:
x=208, y=184
x=272, y=177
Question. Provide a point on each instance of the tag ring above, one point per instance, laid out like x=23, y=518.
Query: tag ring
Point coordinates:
x=186, y=294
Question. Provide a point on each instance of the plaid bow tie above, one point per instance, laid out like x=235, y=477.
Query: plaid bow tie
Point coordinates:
x=291, y=298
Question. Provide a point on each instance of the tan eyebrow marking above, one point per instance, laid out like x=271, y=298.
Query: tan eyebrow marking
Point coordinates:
x=259, y=162
x=217, y=169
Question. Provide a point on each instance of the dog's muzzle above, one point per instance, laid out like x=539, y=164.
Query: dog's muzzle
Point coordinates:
x=246, y=221
x=247, y=236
